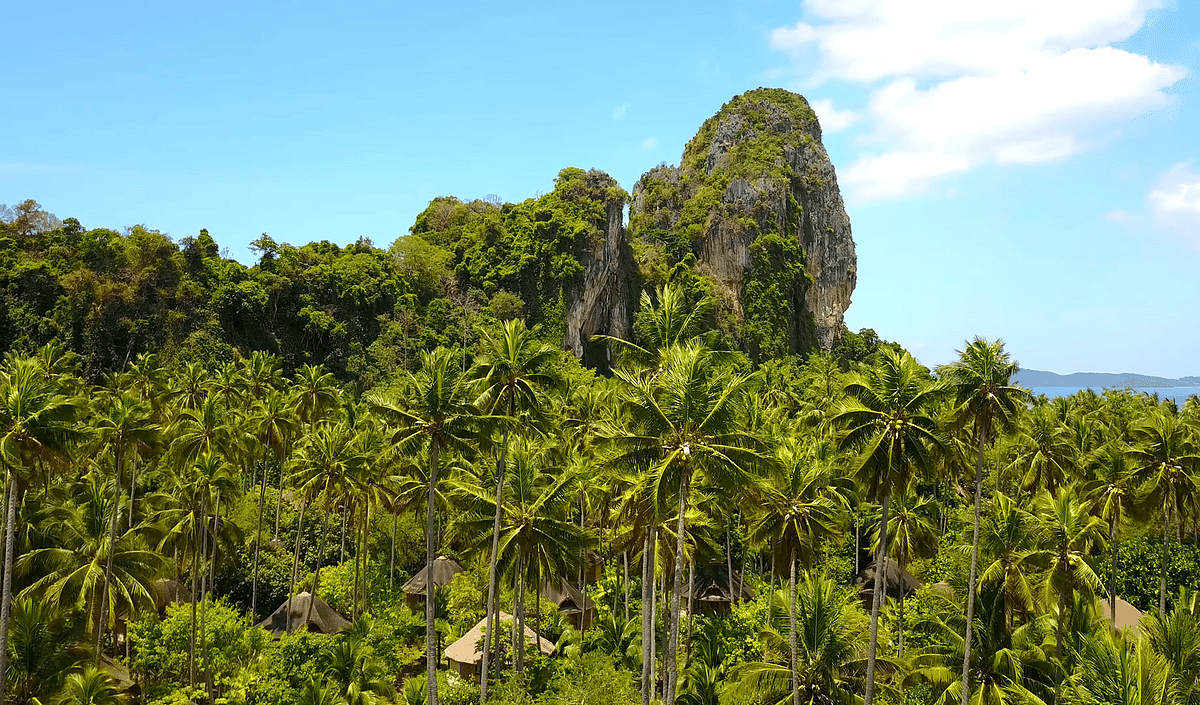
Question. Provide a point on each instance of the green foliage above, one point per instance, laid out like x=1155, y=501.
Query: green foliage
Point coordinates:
x=162, y=646
x=1139, y=569
x=285, y=667
x=773, y=299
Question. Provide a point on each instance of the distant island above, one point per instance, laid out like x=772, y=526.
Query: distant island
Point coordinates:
x=1099, y=380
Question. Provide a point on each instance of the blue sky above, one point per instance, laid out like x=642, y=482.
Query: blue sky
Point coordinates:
x=1027, y=169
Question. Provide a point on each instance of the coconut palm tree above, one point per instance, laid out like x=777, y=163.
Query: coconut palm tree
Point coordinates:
x=274, y=424
x=804, y=505
x=985, y=399
x=45, y=646
x=1110, y=495
x=439, y=410
x=684, y=420
x=1009, y=537
x=511, y=369
x=1008, y=666
x=37, y=426
x=888, y=419
x=538, y=540
x=829, y=651
x=86, y=568
x=1039, y=452
x=124, y=426
x=1069, y=534
x=324, y=468
x=91, y=687
x=353, y=667
x=1175, y=639
x=1165, y=460
x=1112, y=670
x=658, y=326
x=912, y=532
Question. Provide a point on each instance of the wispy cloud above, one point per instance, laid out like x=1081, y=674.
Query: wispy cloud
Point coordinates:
x=1172, y=207
x=832, y=119
x=649, y=143
x=619, y=111
x=954, y=86
x=1175, y=203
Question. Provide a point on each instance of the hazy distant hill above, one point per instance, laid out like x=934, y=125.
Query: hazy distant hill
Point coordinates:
x=1099, y=380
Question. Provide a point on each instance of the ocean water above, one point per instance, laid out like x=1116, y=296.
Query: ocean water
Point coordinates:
x=1179, y=394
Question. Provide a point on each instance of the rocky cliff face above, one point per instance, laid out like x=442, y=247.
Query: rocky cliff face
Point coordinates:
x=751, y=217
x=605, y=300
x=755, y=199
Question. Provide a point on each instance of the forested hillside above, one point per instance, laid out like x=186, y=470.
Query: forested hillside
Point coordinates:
x=360, y=311
x=458, y=470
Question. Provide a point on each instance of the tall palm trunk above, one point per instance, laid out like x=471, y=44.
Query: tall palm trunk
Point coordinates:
x=10, y=526
x=771, y=591
x=354, y=547
x=203, y=574
x=1112, y=590
x=1062, y=618
x=654, y=616
x=278, y=500
x=392, y=560
x=492, y=618
x=366, y=554
x=877, y=601
x=691, y=598
x=212, y=570
x=967, y=638
x=296, y=563
x=195, y=593
x=513, y=635
x=792, y=627
x=729, y=562
x=345, y=518
x=1162, y=583
x=108, y=560
x=673, y=616
x=431, y=657
x=317, y=575
x=262, y=493
x=647, y=612
x=520, y=643
x=132, y=488
x=625, y=562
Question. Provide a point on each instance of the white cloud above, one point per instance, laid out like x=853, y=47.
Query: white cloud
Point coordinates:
x=865, y=40
x=1119, y=216
x=956, y=85
x=619, y=111
x=649, y=143
x=1175, y=203
x=832, y=119
x=900, y=173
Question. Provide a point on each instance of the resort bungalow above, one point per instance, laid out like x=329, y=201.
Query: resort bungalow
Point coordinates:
x=572, y=602
x=465, y=656
x=443, y=570
x=897, y=581
x=709, y=589
x=304, y=612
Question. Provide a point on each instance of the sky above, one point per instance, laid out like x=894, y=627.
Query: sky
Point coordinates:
x=1026, y=170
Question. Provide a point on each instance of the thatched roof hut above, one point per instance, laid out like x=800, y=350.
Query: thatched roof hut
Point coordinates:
x=171, y=592
x=710, y=589
x=897, y=580
x=465, y=657
x=323, y=620
x=572, y=602
x=443, y=570
x=1127, y=614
